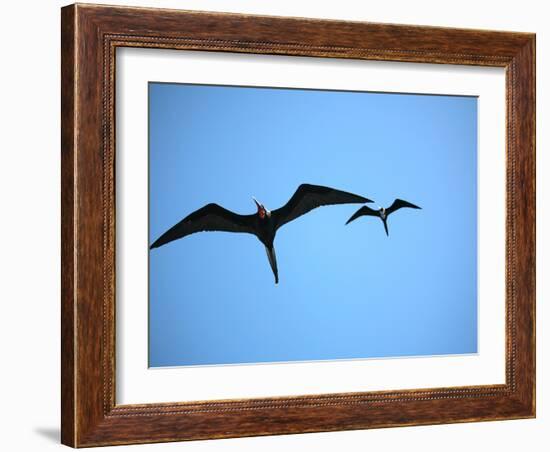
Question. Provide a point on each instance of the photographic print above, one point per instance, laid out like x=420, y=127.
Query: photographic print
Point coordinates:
x=276, y=225
x=307, y=225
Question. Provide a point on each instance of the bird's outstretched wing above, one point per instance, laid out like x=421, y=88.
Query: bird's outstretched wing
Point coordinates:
x=211, y=217
x=365, y=210
x=308, y=197
x=398, y=204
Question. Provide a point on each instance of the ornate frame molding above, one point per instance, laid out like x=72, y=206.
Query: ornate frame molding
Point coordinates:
x=90, y=36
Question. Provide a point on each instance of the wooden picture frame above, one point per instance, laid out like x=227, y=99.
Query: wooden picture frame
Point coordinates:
x=90, y=36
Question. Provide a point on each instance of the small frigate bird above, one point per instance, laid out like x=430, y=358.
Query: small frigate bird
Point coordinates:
x=382, y=213
x=264, y=223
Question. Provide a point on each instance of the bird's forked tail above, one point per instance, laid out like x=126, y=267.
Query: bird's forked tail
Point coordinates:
x=385, y=221
x=273, y=262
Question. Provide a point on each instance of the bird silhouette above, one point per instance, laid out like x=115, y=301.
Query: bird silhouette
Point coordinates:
x=264, y=223
x=382, y=213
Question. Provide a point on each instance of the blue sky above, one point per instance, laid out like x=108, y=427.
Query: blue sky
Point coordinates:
x=345, y=292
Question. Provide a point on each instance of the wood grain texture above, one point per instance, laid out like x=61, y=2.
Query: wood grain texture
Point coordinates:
x=90, y=36
x=68, y=310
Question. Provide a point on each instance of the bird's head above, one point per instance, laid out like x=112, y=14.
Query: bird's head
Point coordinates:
x=262, y=211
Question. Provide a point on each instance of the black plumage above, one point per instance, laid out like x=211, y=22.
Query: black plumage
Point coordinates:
x=264, y=223
x=382, y=213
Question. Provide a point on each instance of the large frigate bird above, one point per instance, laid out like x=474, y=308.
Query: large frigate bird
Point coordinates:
x=264, y=223
x=382, y=213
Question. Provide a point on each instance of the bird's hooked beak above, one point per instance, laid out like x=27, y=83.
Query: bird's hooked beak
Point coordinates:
x=258, y=205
